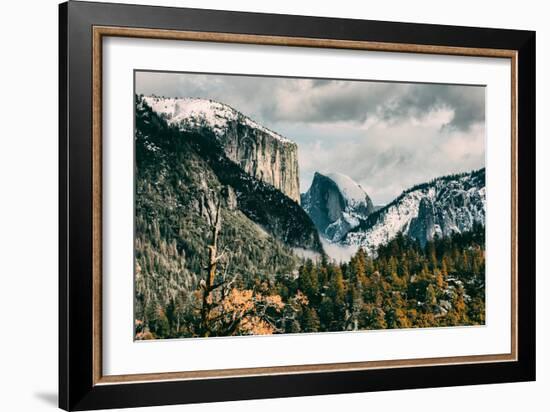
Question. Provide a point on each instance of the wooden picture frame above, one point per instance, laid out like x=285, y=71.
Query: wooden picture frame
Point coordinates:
x=82, y=385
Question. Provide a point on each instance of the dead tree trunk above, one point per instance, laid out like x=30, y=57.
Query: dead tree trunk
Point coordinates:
x=213, y=259
x=213, y=248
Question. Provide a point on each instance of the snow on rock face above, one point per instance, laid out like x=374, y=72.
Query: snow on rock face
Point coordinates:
x=352, y=192
x=447, y=205
x=262, y=153
x=336, y=204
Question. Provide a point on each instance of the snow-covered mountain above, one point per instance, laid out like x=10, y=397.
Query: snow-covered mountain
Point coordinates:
x=336, y=204
x=182, y=176
x=260, y=152
x=446, y=205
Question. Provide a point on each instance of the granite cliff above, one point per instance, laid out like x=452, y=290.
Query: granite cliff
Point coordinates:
x=260, y=152
x=336, y=204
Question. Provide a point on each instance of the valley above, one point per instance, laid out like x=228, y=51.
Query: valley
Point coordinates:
x=227, y=245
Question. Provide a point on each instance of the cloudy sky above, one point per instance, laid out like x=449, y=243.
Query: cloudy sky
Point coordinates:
x=386, y=136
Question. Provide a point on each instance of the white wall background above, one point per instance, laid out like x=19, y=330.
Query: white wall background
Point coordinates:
x=28, y=203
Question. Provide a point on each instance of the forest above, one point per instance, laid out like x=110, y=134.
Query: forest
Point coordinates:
x=403, y=286
x=215, y=255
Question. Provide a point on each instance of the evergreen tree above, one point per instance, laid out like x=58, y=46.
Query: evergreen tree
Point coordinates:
x=431, y=297
x=310, y=320
x=308, y=280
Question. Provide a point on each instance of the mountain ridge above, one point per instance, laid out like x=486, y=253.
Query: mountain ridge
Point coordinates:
x=445, y=205
x=259, y=151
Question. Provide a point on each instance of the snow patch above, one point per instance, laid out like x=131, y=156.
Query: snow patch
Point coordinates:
x=352, y=192
x=190, y=112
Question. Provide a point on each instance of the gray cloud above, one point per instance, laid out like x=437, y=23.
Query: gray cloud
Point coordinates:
x=467, y=103
x=387, y=136
x=321, y=100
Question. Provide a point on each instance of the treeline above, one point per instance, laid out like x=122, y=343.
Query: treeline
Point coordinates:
x=404, y=286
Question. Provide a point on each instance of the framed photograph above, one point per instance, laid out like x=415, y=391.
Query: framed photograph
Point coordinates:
x=257, y=205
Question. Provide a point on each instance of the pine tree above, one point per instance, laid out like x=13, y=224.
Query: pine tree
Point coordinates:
x=431, y=298
x=439, y=279
x=378, y=319
x=459, y=305
x=308, y=280
x=336, y=288
x=310, y=320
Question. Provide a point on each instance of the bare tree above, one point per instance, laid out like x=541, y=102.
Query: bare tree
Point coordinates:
x=225, y=310
x=214, y=218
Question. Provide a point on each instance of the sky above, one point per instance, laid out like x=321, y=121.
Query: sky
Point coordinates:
x=386, y=136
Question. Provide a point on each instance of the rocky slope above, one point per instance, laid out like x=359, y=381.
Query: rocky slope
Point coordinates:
x=260, y=152
x=336, y=204
x=181, y=176
x=446, y=205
